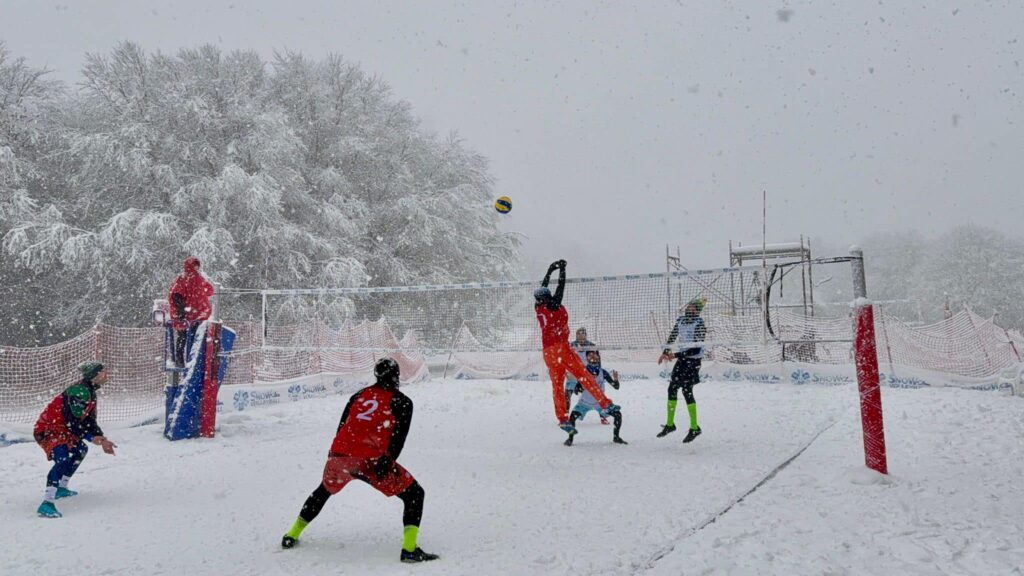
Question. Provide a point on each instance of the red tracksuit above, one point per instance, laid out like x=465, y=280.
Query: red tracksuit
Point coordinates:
x=561, y=358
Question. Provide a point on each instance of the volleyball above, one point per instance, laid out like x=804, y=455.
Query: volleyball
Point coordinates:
x=503, y=204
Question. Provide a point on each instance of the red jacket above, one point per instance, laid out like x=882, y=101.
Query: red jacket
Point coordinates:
x=554, y=325
x=58, y=426
x=193, y=291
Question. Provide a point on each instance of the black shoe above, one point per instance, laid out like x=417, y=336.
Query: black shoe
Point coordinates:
x=417, y=555
x=693, y=433
x=619, y=440
x=568, y=441
x=288, y=542
x=666, y=430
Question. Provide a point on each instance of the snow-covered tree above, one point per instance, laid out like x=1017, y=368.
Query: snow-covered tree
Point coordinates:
x=29, y=131
x=299, y=174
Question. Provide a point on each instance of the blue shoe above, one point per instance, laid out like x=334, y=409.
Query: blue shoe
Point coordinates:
x=567, y=427
x=613, y=409
x=48, y=510
x=65, y=493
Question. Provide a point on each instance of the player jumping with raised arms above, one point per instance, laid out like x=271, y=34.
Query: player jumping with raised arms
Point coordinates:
x=558, y=355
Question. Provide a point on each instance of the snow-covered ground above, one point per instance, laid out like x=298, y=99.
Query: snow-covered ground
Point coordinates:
x=504, y=496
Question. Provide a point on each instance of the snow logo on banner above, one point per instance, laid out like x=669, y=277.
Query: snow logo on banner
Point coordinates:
x=241, y=399
x=303, y=392
x=244, y=399
x=908, y=382
x=801, y=377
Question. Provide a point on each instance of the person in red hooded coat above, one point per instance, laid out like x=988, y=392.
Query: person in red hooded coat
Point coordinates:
x=60, y=430
x=189, y=301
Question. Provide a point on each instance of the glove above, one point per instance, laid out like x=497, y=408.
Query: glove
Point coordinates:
x=383, y=466
x=179, y=307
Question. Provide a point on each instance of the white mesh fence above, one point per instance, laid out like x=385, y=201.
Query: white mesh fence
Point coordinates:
x=489, y=330
x=624, y=313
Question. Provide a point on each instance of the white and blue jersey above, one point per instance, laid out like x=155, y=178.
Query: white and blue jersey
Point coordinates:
x=688, y=331
x=581, y=351
x=587, y=402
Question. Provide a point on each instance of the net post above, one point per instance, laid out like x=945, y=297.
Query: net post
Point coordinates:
x=215, y=302
x=263, y=318
x=866, y=355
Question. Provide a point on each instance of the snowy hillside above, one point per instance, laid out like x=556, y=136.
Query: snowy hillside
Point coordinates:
x=505, y=497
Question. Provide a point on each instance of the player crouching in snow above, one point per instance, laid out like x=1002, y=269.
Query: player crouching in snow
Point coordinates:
x=587, y=402
x=64, y=423
x=558, y=354
x=369, y=440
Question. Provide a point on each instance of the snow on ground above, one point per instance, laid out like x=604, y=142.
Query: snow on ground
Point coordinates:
x=505, y=497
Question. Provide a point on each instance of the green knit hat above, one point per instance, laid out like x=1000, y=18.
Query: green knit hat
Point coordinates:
x=698, y=303
x=90, y=370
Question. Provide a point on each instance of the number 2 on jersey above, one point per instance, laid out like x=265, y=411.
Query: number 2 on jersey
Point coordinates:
x=371, y=406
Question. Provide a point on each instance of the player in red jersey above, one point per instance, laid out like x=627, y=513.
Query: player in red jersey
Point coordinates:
x=370, y=438
x=558, y=354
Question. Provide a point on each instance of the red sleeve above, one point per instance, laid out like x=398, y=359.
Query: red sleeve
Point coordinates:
x=175, y=289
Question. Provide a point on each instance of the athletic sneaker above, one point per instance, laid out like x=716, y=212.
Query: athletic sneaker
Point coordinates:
x=619, y=440
x=613, y=409
x=48, y=510
x=65, y=493
x=567, y=427
x=666, y=430
x=568, y=441
x=693, y=433
x=417, y=555
x=604, y=421
x=288, y=542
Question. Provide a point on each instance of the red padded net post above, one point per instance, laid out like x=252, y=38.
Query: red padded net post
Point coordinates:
x=866, y=357
x=870, y=392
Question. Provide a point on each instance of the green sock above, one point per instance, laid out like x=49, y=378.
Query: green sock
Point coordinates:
x=692, y=409
x=671, y=413
x=297, y=528
x=409, y=540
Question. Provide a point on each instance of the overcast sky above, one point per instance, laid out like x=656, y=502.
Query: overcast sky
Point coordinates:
x=617, y=129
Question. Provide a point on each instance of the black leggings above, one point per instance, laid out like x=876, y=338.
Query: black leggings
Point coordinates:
x=412, y=497
x=180, y=339
x=685, y=375
x=616, y=418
